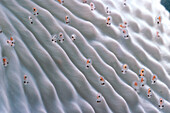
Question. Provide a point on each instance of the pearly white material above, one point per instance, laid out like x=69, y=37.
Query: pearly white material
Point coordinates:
x=58, y=79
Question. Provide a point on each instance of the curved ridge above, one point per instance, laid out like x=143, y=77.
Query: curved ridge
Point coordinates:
x=58, y=78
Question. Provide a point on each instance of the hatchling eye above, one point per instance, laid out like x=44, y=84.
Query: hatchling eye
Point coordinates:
x=34, y=9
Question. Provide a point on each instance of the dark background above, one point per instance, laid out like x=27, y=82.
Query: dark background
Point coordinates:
x=166, y=4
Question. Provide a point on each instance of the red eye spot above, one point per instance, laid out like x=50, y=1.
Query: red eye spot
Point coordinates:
x=11, y=38
x=101, y=79
x=4, y=59
x=34, y=9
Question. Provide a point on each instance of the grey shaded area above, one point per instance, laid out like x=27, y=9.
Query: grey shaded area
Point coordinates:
x=59, y=81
